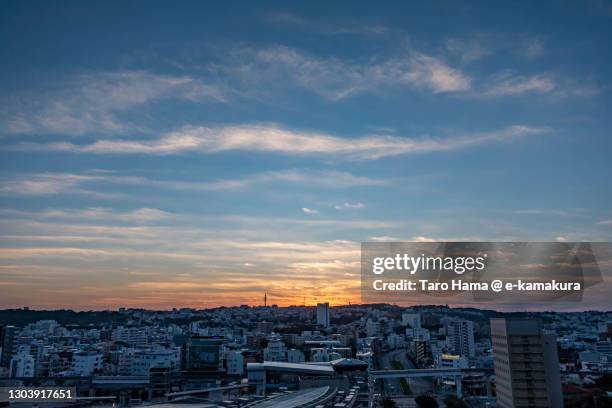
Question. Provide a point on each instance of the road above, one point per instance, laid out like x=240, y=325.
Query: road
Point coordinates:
x=417, y=385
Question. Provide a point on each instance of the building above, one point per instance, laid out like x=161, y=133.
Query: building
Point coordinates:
x=395, y=340
x=265, y=327
x=453, y=362
x=203, y=353
x=604, y=347
x=526, y=364
x=323, y=314
x=460, y=335
x=133, y=336
x=411, y=319
x=420, y=351
x=320, y=355
x=143, y=361
x=22, y=365
x=8, y=341
x=276, y=350
x=295, y=356
x=85, y=363
x=234, y=362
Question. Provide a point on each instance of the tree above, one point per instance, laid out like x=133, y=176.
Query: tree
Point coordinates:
x=425, y=401
x=389, y=403
x=453, y=402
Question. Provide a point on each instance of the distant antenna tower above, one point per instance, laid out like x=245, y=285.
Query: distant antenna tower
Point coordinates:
x=265, y=299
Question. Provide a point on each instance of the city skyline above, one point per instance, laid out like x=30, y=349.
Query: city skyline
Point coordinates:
x=196, y=155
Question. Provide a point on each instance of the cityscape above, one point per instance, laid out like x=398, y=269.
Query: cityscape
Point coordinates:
x=321, y=204
x=376, y=355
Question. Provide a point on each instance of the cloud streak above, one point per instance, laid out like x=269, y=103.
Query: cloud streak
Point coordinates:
x=511, y=85
x=91, y=103
x=265, y=138
x=48, y=184
x=336, y=79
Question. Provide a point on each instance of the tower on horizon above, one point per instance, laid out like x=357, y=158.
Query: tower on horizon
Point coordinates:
x=265, y=299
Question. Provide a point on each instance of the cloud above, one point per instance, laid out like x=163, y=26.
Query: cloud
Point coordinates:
x=295, y=21
x=275, y=139
x=535, y=48
x=345, y=206
x=90, y=104
x=423, y=239
x=423, y=71
x=99, y=213
x=42, y=184
x=384, y=238
x=506, y=84
x=306, y=210
x=469, y=49
x=605, y=222
x=48, y=184
x=336, y=79
x=321, y=178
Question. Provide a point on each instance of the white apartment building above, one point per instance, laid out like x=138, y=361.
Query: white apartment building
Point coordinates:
x=133, y=336
x=143, y=361
x=276, y=351
x=85, y=363
x=22, y=365
x=460, y=338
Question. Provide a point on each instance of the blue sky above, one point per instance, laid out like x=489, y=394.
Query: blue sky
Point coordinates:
x=160, y=155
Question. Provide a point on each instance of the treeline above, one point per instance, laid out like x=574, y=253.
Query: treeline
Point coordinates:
x=23, y=317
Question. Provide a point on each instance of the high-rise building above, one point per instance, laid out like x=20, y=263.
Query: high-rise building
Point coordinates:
x=526, y=364
x=8, y=339
x=420, y=350
x=460, y=335
x=323, y=314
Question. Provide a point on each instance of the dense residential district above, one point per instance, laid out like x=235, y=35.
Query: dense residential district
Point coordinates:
x=311, y=356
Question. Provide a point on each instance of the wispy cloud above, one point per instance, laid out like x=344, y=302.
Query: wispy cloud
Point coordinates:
x=47, y=184
x=91, y=103
x=138, y=215
x=297, y=22
x=345, y=206
x=384, y=238
x=469, y=50
x=506, y=84
x=310, y=211
x=275, y=139
x=510, y=84
x=336, y=79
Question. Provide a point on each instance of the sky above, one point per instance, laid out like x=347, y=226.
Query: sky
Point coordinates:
x=162, y=154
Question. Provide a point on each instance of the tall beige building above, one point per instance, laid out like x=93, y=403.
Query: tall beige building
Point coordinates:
x=526, y=364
